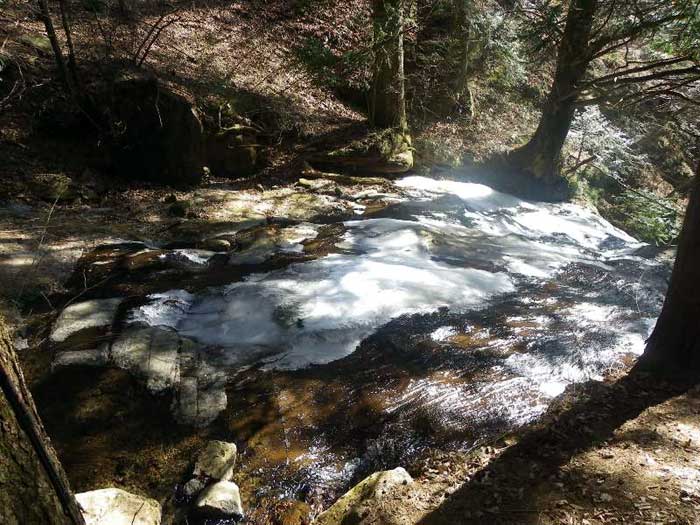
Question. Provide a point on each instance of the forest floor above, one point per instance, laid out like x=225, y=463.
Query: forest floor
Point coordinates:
x=626, y=451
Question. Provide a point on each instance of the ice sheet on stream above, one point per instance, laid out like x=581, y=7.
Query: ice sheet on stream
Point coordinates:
x=431, y=256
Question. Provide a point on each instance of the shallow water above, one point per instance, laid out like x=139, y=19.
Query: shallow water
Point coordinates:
x=454, y=313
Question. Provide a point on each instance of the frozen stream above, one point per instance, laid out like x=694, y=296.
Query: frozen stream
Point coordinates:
x=455, y=312
x=455, y=245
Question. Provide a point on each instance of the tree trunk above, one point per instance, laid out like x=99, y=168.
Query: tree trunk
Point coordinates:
x=541, y=156
x=45, y=15
x=388, y=101
x=462, y=32
x=675, y=343
x=72, y=68
x=33, y=487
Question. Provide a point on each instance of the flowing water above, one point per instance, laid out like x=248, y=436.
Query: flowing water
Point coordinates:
x=452, y=314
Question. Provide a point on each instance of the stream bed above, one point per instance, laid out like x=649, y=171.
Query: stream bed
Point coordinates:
x=435, y=314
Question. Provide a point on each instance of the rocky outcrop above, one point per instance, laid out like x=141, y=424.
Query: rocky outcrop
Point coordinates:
x=117, y=507
x=353, y=505
x=157, y=132
x=88, y=314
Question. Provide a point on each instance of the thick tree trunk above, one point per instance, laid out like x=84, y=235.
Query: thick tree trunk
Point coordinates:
x=388, y=101
x=33, y=488
x=675, y=343
x=541, y=156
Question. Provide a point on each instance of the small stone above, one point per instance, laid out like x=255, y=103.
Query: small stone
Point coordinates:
x=88, y=314
x=217, y=460
x=220, y=500
x=193, y=487
x=117, y=507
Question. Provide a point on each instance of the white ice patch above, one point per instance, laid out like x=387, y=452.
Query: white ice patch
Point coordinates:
x=575, y=228
x=164, y=309
x=443, y=333
x=319, y=311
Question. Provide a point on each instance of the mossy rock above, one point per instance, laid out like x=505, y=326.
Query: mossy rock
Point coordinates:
x=233, y=152
x=39, y=43
x=388, y=152
x=54, y=187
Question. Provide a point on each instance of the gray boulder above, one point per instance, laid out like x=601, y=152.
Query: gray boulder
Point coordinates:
x=151, y=353
x=193, y=487
x=220, y=500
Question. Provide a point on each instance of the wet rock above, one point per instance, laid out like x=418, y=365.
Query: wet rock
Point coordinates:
x=220, y=500
x=259, y=244
x=151, y=353
x=144, y=259
x=117, y=507
x=217, y=460
x=351, y=506
x=189, y=260
x=88, y=314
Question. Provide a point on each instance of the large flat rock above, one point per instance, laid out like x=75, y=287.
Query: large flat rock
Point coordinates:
x=114, y=506
x=88, y=314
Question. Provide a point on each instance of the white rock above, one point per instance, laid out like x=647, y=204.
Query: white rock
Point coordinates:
x=220, y=500
x=117, y=507
x=217, y=460
x=349, y=508
x=88, y=314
